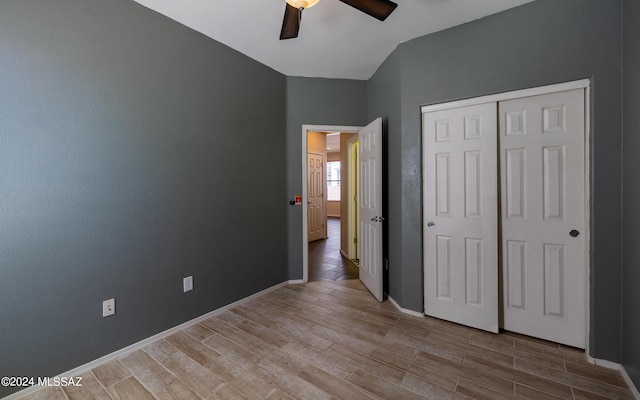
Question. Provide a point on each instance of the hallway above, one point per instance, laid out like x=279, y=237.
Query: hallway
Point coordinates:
x=325, y=261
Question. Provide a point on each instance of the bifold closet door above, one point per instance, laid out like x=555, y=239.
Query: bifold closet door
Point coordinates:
x=461, y=215
x=543, y=216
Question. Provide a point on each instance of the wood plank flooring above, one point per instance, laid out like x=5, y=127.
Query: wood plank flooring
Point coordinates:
x=326, y=263
x=333, y=340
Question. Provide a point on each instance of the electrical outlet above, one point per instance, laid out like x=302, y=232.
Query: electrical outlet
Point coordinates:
x=108, y=307
x=187, y=283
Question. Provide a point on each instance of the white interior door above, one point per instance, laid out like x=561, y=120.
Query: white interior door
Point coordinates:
x=315, y=197
x=370, y=145
x=461, y=214
x=543, y=208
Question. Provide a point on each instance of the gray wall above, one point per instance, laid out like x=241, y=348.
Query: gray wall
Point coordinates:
x=314, y=101
x=131, y=151
x=631, y=233
x=125, y=138
x=537, y=44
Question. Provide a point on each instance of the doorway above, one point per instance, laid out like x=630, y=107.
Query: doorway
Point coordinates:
x=305, y=220
x=370, y=215
x=327, y=212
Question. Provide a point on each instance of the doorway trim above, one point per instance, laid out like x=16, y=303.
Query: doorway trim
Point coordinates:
x=516, y=94
x=534, y=91
x=353, y=199
x=303, y=168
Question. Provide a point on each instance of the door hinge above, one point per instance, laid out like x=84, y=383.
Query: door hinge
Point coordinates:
x=355, y=240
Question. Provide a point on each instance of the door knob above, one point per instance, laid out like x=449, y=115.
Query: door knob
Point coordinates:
x=574, y=233
x=431, y=224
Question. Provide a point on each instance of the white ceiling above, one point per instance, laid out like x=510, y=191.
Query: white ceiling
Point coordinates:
x=336, y=40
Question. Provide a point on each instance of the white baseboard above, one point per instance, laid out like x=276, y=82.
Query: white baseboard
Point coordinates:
x=295, y=281
x=617, y=367
x=404, y=310
x=604, y=363
x=632, y=386
x=144, y=342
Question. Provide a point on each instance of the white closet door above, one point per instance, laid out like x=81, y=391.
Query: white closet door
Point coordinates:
x=461, y=214
x=543, y=216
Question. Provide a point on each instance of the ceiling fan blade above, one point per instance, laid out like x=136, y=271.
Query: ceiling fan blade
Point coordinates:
x=291, y=22
x=379, y=9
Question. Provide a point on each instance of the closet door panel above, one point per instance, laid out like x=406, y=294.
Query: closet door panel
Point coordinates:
x=543, y=216
x=461, y=217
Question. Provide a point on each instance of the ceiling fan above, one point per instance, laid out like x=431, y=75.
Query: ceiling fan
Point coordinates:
x=379, y=9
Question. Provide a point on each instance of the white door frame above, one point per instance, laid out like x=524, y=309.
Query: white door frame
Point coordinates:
x=353, y=206
x=579, y=84
x=303, y=167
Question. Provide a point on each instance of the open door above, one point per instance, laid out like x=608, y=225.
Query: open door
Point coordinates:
x=370, y=138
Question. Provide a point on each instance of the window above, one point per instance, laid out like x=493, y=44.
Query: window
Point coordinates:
x=333, y=180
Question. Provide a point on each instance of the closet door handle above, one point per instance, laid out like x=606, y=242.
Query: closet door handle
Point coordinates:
x=431, y=224
x=574, y=233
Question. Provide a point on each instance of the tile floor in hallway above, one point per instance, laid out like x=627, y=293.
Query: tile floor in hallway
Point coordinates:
x=325, y=261
x=333, y=340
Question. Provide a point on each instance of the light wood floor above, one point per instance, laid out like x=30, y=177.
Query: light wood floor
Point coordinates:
x=332, y=340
